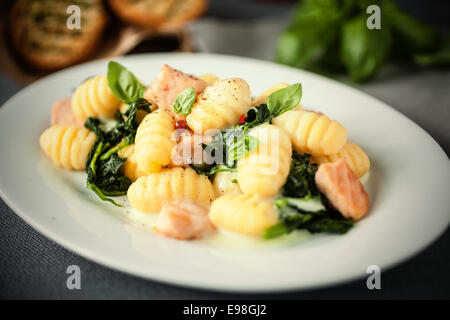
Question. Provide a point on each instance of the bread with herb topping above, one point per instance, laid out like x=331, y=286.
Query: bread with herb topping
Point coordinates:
x=155, y=14
x=40, y=34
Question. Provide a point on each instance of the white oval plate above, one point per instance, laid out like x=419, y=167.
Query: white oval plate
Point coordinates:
x=409, y=188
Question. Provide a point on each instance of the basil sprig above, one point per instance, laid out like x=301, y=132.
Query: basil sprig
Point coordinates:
x=123, y=83
x=337, y=36
x=284, y=99
x=184, y=101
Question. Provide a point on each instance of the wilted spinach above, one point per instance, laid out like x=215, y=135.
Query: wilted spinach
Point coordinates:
x=301, y=206
x=103, y=163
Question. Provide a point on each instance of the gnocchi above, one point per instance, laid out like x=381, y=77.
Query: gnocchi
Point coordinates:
x=154, y=141
x=67, y=146
x=226, y=183
x=311, y=132
x=209, y=78
x=130, y=167
x=264, y=170
x=93, y=98
x=220, y=105
x=243, y=213
x=150, y=193
x=355, y=157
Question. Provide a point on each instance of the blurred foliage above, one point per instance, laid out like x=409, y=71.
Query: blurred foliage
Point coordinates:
x=332, y=35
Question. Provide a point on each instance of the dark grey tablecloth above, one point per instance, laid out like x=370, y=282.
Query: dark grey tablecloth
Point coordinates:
x=31, y=266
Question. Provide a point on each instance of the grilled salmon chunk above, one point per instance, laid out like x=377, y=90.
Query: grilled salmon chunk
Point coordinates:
x=341, y=186
x=168, y=85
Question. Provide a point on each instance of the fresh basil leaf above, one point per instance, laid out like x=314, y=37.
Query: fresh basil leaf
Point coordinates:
x=363, y=51
x=185, y=101
x=324, y=11
x=304, y=45
x=284, y=99
x=315, y=28
x=123, y=83
x=241, y=146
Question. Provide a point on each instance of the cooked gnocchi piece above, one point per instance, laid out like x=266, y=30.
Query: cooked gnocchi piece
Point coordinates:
x=67, y=146
x=154, y=141
x=243, y=213
x=226, y=183
x=356, y=158
x=311, y=132
x=220, y=105
x=93, y=98
x=209, y=78
x=130, y=167
x=150, y=193
x=264, y=170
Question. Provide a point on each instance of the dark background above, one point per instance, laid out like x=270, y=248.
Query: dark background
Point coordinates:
x=31, y=266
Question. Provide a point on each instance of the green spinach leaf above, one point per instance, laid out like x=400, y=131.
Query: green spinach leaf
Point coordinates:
x=300, y=181
x=329, y=225
x=300, y=205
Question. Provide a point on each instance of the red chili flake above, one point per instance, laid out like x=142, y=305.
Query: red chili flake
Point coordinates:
x=166, y=88
x=180, y=124
x=242, y=119
x=203, y=98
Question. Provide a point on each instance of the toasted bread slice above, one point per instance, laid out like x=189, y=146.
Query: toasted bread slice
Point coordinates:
x=155, y=14
x=40, y=34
